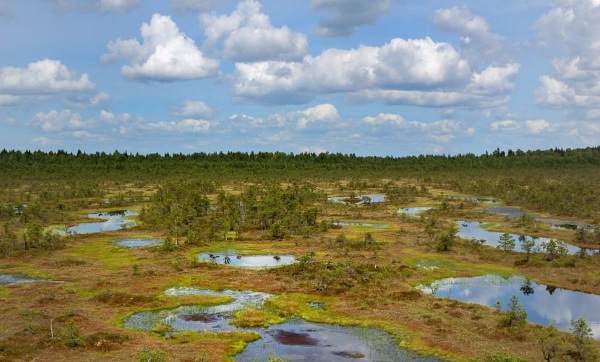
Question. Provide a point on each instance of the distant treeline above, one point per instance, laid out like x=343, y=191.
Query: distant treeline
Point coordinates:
x=558, y=181
x=19, y=163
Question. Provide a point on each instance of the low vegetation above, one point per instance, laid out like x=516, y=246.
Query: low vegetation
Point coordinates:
x=275, y=203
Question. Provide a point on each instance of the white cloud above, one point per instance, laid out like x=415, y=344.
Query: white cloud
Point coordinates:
x=416, y=66
x=195, y=109
x=495, y=79
x=48, y=80
x=386, y=119
x=185, y=126
x=322, y=114
x=99, y=6
x=538, y=125
x=348, y=14
x=248, y=36
x=166, y=54
x=478, y=43
x=505, y=125
x=193, y=5
x=573, y=27
x=44, y=76
x=55, y=121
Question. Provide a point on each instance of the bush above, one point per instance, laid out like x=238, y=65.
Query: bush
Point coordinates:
x=72, y=335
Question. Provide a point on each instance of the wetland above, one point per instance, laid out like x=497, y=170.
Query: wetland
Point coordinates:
x=228, y=257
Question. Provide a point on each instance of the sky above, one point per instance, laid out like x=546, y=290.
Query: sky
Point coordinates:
x=371, y=78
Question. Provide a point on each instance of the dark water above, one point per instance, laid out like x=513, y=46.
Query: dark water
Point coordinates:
x=300, y=340
x=543, y=303
x=474, y=230
x=114, y=220
x=247, y=261
x=6, y=279
x=294, y=340
x=375, y=198
x=137, y=242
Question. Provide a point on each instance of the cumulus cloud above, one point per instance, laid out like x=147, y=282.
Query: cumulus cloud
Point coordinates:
x=193, y=5
x=47, y=80
x=165, y=55
x=195, y=109
x=248, y=36
x=323, y=114
x=415, y=71
x=99, y=6
x=55, y=121
x=573, y=27
x=44, y=76
x=478, y=44
x=537, y=125
x=346, y=15
x=415, y=63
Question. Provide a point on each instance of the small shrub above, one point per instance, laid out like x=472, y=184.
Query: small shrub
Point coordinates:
x=72, y=335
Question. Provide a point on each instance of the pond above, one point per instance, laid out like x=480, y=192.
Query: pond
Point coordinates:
x=543, y=303
x=134, y=243
x=413, y=211
x=358, y=200
x=215, y=318
x=362, y=224
x=300, y=340
x=113, y=220
x=553, y=222
x=247, y=261
x=7, y=279
x=294, y=340
x=474, y=230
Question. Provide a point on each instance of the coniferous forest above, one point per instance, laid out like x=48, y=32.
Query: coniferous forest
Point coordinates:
x=371, y=239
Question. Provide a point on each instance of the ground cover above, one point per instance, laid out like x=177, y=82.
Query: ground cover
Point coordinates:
x=365, y=278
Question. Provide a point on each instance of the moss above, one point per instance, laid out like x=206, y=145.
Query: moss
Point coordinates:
x=255, y=318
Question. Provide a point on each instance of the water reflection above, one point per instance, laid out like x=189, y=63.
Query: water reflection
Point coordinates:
x=247, y=261
x=300, y=340
x=294, y=340
x=474, y=230
x=113, y=220
x=358, y=200
x=553, y=222
x=543, y=303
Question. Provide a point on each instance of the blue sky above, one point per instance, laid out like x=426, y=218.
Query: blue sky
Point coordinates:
x=379, y=77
